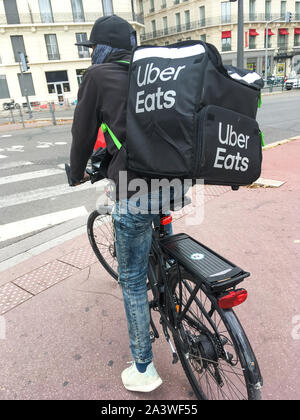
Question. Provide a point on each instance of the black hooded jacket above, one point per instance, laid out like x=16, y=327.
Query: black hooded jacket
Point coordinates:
x=102, y=97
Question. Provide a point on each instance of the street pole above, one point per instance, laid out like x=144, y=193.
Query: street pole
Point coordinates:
x=23, y=88
x=240, y=37
x=266, y=55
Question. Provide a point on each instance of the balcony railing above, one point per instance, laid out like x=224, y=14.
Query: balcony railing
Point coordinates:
x=37, y=18
x=206, y=22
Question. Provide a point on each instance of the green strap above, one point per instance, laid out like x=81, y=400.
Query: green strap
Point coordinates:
x=259, y=101
x=122, y=61
x=105, y=128
x=262, y=138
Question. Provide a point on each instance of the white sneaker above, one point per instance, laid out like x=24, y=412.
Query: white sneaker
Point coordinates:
x=133, y=380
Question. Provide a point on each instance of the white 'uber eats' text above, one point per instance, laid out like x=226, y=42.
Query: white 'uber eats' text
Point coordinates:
x=228, y=161
x=160, y=99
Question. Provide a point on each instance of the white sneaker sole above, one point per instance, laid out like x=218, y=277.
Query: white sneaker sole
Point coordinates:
x=145, y=388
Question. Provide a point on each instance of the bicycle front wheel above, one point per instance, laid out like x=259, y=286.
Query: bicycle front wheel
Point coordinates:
x=101, y=235
x=212, y=346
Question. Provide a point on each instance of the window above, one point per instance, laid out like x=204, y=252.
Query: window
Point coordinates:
x=18, y=46
x=141, y=6
x=187, y=19
x=178, y=22
x=225, y=12
x=296, y=38
x=297, y=10
x=203, y=37
x=226, y=41
x=153, y=25
x=252, y=9
x=252, y=42
x=107, y=7
x=202, y=15
x=11, y=12
x=270, y=34
x=52, y=47
x=4, y=91
x=163, y=4
x=165, y=25
x=268, y=9
x=151, y=6
x=46, y=11
x=282, y=38
x=26, y=84
x=79, y=74
x=83, y=52
x=57, y=82
x=283, y=9
x=77, y=9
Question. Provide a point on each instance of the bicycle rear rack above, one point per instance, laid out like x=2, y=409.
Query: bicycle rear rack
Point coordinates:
x=217, y=273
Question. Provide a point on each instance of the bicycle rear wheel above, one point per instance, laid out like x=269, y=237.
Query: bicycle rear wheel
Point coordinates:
x=212, y=346
x=101, y=235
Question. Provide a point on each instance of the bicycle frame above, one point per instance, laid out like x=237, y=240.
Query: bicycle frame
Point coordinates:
x=163, y=303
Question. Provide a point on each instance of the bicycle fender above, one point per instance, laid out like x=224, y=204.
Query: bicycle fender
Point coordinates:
x=241, y=341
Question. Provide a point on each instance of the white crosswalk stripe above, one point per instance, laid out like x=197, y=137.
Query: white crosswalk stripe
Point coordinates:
x=29, y=175
x=22, y=227
x=41, y=194
x=21, y=222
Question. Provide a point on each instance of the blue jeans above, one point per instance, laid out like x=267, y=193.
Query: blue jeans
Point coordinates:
x=133, y=236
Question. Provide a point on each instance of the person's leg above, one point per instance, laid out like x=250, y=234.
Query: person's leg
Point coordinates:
x=133, y=234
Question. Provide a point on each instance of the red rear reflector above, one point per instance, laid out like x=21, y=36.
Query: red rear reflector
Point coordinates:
x=166, y=220
x=233, y=298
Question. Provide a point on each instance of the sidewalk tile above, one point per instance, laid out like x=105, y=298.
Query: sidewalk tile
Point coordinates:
x=46, y=276
x=80, y=258
x=11, y=296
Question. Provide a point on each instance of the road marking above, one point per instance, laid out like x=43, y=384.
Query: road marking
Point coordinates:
x=29, y=175
x=3, y=156
x=10, y=165
x=22, y=227
x=6, y=135
x=41, y=193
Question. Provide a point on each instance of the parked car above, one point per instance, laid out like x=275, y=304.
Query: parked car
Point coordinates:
x=292, y=83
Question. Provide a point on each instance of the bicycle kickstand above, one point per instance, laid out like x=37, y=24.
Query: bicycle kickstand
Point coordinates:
x=165, y=330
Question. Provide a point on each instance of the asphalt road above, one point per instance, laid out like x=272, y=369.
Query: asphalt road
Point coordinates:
x=36, y=202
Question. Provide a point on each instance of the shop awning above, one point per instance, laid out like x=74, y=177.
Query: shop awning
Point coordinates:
x=283, y=31
x=226, y=34
x=252, y=32
x=297, y=31
x=270, y=33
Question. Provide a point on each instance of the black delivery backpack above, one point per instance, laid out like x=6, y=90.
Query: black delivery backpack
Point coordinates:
x=190, y=117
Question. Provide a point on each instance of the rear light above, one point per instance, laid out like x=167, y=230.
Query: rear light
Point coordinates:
x=233, y=298
x=166, y=220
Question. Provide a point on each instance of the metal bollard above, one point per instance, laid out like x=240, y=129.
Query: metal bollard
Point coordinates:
x=21, y=115
x=12, y=115
x=52, y=113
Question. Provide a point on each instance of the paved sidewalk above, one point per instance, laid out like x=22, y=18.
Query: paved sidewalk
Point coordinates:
x=63, y=333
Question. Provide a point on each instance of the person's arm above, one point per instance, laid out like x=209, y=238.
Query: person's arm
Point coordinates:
x=85, y=127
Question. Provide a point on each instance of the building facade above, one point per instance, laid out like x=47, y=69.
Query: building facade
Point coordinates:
x=215, y=21
x=45, y=31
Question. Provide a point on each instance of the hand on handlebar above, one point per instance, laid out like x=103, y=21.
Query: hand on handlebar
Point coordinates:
x=72, y=183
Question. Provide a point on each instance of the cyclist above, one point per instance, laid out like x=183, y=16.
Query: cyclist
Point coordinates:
x=102, y=97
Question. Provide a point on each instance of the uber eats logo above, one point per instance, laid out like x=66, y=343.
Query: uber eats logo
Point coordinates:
x=229, y=137
x=162, y=98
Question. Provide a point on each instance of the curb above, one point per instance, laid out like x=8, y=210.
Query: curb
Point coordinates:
x=280, y=142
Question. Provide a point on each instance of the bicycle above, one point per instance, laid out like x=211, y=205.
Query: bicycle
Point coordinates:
x=194, y=290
